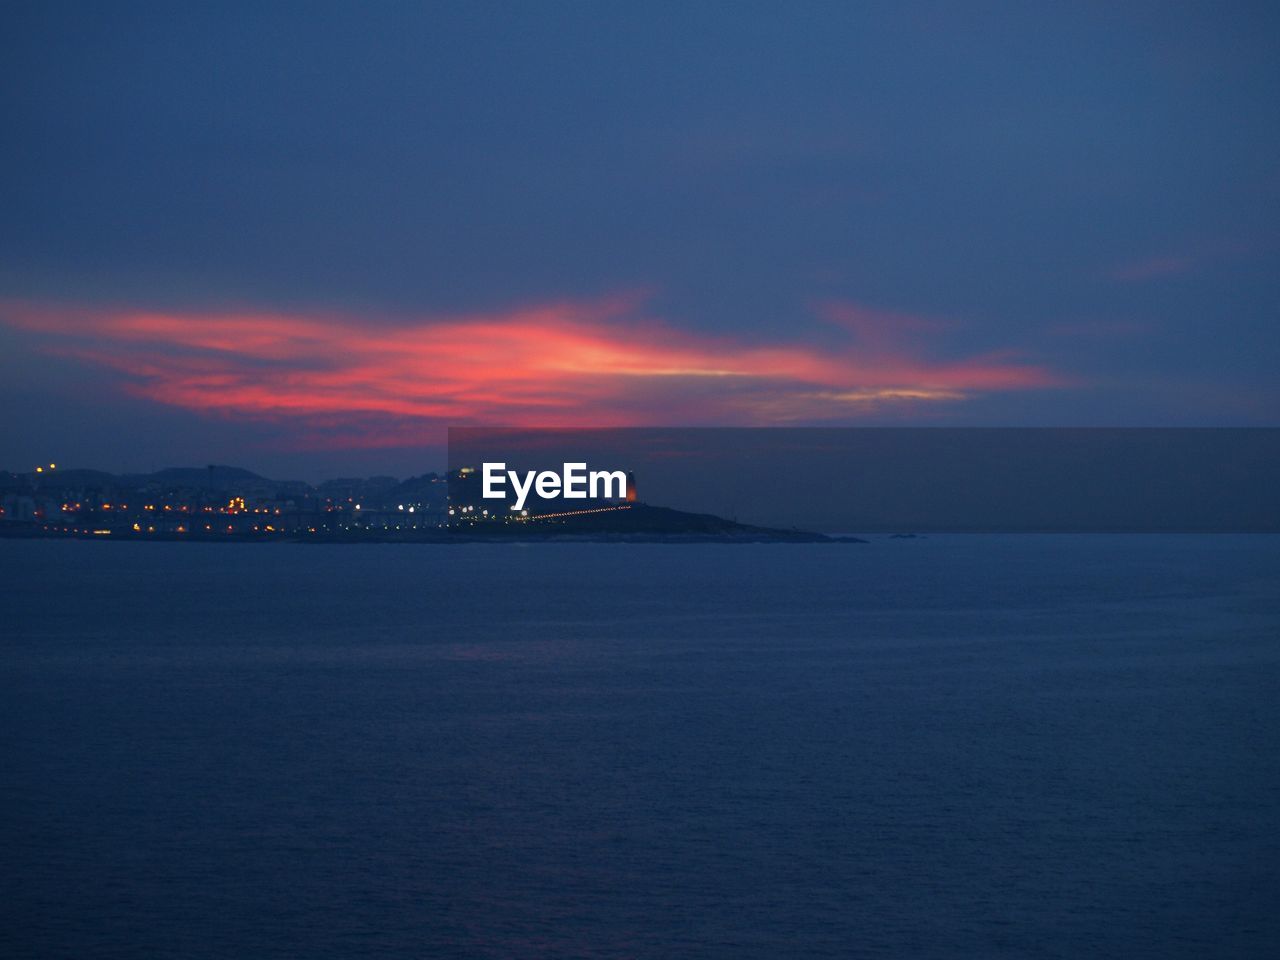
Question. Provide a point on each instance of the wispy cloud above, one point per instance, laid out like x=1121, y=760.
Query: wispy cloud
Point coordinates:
x=1152, y=268
x=345, y=380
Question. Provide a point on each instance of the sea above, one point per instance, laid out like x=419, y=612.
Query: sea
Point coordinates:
x=948, y=746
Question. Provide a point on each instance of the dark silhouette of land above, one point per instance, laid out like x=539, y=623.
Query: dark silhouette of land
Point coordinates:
x=221, y=503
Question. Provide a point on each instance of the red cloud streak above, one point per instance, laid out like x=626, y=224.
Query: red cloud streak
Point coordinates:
x=354, y=382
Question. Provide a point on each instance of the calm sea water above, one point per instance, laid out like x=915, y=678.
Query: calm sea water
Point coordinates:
x=946, y=747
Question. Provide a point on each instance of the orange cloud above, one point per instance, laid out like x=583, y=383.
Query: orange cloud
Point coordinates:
x=351, y=381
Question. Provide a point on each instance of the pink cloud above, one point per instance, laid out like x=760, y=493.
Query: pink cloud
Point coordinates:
x=349, y=381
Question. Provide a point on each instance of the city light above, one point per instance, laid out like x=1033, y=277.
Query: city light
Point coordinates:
x=154, y=510
x=576, y=513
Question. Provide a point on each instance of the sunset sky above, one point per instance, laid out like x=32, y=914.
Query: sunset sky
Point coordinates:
x=306, y=239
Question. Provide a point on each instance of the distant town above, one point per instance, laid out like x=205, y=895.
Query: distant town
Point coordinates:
x=213, y=501
x=231, y=503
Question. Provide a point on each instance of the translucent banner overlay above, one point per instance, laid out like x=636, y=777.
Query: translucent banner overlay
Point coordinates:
x=888, y=480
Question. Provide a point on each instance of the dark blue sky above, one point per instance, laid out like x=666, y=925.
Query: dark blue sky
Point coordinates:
x=981, y=214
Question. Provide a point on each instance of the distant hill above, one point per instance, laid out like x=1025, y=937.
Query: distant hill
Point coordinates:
x=641, y=522
x=57, y=479
x=213, y=477
x=428, y=487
